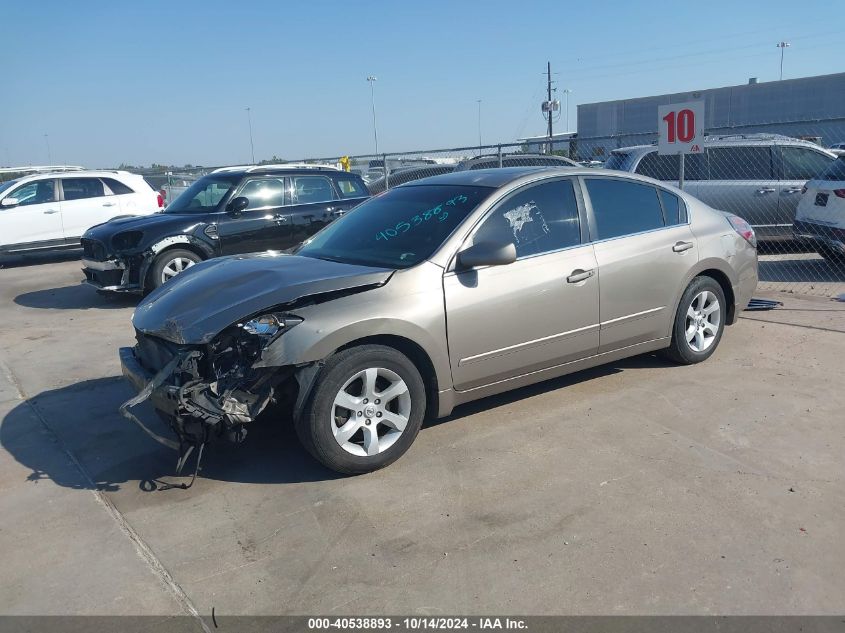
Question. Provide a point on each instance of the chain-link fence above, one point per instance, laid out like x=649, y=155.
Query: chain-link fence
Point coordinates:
x=790, y=189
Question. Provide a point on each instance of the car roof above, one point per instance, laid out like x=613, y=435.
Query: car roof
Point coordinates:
x=264, y=171
x=81, y=173
x=727, y=140
x=500, y=176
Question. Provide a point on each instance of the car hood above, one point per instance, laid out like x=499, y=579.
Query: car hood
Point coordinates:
x=199, y=303
x=140, y=222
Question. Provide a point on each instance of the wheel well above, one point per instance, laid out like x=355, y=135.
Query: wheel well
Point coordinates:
x=416, y=354
x=183, y=246
x=722, y=279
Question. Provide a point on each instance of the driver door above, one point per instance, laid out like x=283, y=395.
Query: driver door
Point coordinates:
x=262, y=225
x=540, y=311
x=36, y=217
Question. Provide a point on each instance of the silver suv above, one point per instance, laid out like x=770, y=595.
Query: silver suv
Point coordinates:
x=758, y=177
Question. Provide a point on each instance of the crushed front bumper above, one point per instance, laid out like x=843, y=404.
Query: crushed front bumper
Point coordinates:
x=113, y=275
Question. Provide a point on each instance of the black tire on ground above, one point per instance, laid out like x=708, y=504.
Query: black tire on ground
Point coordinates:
x=314, y=424
x=680, y=350
x=161, y=262
x=833, y=258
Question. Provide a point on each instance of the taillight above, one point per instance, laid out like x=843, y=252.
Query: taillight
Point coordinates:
x=839, y=193
x=160, y=200
x=803, y=190
x=744, y=229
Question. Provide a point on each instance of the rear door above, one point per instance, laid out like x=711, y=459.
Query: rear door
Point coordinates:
x=263, y=225
x=742, y=180
x=85, y=203
x=644, y=249
x=35, y=218
x=797, y=166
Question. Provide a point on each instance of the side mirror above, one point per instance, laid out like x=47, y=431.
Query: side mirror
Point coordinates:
x=487, y=254
x=9, y=202
x=236, y=206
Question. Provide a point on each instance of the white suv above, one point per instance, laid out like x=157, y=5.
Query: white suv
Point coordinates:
x=53, y=210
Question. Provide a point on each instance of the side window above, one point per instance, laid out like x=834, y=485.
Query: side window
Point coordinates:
x=351, y=188
x=622, y=207
x=740, y=163
x=538, y=219
x=82, y=188
x=264, y=192
x=660, y=167
x=309, y=189
x=117, y=187
x=36, y=192
x=802, y=163
x=674, y=209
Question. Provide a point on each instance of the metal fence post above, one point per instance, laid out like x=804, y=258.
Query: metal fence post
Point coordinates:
x=499, y=152
x=386, y=172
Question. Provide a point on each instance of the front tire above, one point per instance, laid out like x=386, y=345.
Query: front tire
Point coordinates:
x=168, y=264
x=699, y=322
x=365, y=410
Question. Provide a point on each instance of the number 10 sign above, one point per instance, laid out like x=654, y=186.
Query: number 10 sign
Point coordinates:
x=680, y=128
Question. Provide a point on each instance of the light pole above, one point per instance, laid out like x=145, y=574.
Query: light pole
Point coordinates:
x=251, y=145
x=479, y=126
x=566, y=91
x=372, y=79
x=49, y=154
x=782, y=46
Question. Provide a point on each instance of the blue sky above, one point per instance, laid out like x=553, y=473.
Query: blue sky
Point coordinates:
x=168, y=82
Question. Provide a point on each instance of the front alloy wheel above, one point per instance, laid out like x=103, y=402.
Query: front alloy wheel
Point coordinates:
x=364, y=411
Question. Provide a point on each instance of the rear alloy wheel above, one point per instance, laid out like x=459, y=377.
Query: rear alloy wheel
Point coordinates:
x=365, y=411
x=699, y=322
x=169, y=264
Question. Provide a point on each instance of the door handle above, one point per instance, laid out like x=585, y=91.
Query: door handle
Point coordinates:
x=51, y=211
x=579, y=275
x=793, y=190
x=763, y=190
x=680, y=247
x=280, y=219
x=108, y=204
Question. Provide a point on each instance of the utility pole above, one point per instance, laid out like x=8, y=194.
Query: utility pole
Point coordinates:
x=549, y=91
x=251, y=146
x=782, y=46
x=372, y=79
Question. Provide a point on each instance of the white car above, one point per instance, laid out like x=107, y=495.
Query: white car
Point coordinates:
x=820, y=218
x=48, y=211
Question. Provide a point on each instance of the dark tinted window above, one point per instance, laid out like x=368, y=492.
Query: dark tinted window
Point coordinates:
x=802, y=163
x=616, y=160
x=397, y=229
x=117, y=187
x=740, y=163
x=538, y=219
x=35, y=192
x=351, y=188
x=622, y=207
x=674, y=210
x=660, y=167
x=81, y=188
x=264, y=192
x=834, y=171
x=311, y=189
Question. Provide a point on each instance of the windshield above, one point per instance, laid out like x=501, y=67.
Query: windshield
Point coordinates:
x=834, y=171
x=204, y=195
x=397, y=229
x=7, y=185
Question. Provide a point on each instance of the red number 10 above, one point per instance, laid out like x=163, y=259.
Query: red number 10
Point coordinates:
x=683, y=129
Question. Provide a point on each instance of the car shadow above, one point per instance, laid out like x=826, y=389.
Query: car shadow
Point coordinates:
x=79, y=297
x=36, y=259
x=116, y=453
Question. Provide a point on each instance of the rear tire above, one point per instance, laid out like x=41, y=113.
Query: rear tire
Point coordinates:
x=699, y=322
x=168, y=264
x=364, y=411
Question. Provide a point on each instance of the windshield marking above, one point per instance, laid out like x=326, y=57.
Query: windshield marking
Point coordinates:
x=435, y=211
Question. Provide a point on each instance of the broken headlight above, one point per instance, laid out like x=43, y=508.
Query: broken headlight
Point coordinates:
x=269, y=326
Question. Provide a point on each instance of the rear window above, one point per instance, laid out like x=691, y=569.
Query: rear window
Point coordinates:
x=834, y=171
x=117, y=187
x=351, y=188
